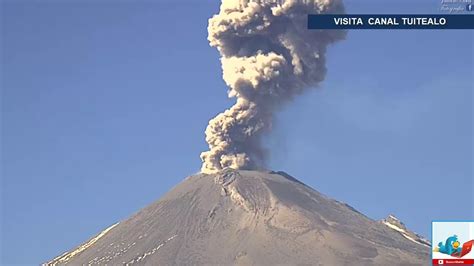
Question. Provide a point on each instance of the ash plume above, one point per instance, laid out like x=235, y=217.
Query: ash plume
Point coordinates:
x=268, y=56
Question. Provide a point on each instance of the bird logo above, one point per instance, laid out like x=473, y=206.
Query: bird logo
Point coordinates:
x=452, y=247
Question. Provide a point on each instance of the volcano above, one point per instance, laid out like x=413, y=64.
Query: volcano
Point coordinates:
x=238, y=217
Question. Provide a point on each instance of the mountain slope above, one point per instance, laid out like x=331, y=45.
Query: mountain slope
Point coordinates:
x=397, y=225
x=247, y=217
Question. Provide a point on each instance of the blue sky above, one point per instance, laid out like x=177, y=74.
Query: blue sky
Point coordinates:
x=104, y=107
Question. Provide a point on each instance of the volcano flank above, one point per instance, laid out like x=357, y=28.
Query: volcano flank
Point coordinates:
x=237, y=217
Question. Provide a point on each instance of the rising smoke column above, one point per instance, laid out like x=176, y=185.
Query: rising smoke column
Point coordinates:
x=268, y=56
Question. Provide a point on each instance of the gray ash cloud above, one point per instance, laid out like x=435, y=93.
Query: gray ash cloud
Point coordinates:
x=268, y=57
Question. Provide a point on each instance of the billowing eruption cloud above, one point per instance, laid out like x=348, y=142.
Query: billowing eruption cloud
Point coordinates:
x=268, y=56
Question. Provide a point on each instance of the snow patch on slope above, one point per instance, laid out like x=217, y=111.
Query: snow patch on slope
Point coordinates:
x=403, y=232
x=68, y=255
x=149, y=253
x=394, y=227
x=395, y=224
